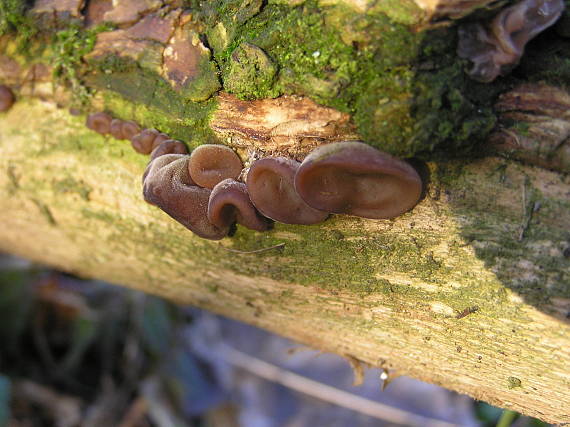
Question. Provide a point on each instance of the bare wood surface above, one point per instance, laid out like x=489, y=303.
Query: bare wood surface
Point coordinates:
x=288, y=124
x=470, y=290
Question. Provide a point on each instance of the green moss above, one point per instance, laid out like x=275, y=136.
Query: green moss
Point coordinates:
x=536, y=257
x=70, y=185
x=69, y=47
x=98, y=215
x=133, y=93
x=349, y=263
x=13, y=19
x=406, y=90
x=202, y=87
x=513, y=382
x=405, y=12
x=250, y=72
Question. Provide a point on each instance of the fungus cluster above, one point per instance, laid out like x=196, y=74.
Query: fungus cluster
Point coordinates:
x=356, y=179
x=146, y=141
x=495, y=47
x=271, y=185
x=202, y=190
x=7, y=98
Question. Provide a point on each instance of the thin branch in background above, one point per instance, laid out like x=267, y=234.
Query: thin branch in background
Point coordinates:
x=325, y=392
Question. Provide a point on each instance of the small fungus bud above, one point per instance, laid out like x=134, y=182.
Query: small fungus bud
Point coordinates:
x=211, y=164
x=167, y=184
x=170, y=146
x=116, y=128
x=121, y=129
x=143, y=141
x=99, y=122
x=272, y=191
x=356, y=179
x=229, y=203
x=130, y=129
x=7, y=98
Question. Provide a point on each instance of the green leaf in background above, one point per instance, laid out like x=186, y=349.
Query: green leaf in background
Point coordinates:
x=4, y=401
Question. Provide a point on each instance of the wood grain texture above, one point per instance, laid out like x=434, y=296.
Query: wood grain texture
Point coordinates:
x=286, y=125
x=400, y=294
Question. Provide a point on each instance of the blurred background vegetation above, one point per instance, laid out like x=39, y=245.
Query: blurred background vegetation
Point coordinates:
x=79, y=352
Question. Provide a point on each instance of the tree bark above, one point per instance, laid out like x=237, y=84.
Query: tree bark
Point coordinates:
x=470, y=290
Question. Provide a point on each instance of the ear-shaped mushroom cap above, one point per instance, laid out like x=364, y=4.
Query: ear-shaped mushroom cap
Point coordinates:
x=272, y=191
x=99, y=122
x=7, y=98
x=170, y=146
x=495, y=48
x=167, y=184
x=356, y=179
x=116, y=128
x=121, y=129
x=159, y=139
x=130, y=129
x=211, y=164
x=147, y=140
x=229, y=202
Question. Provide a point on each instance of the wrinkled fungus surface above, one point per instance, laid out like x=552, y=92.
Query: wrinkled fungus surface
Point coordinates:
x=230, y=203
x=495, y=48
x=7, y=98
x=270, y=183
x=167, y=184
x=356, y=179
x=210, y=164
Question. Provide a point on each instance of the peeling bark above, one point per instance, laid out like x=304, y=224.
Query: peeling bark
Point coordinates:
x=286, y=125
x=534, y=126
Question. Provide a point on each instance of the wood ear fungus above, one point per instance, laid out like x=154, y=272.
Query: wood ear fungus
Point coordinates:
x=159, y=139
x=121, y=129
x=170, y=146
x=147, y=140
x=230, y=203
x=270, y=183
x=167, y=184
x=99, y=122
x=356, y=179
x=7, y=98
x=211, y=164
x=496, y=47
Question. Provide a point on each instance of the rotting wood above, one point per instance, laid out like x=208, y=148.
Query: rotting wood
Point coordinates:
x=387, y=293
x=399, y=294
x=291, y=125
